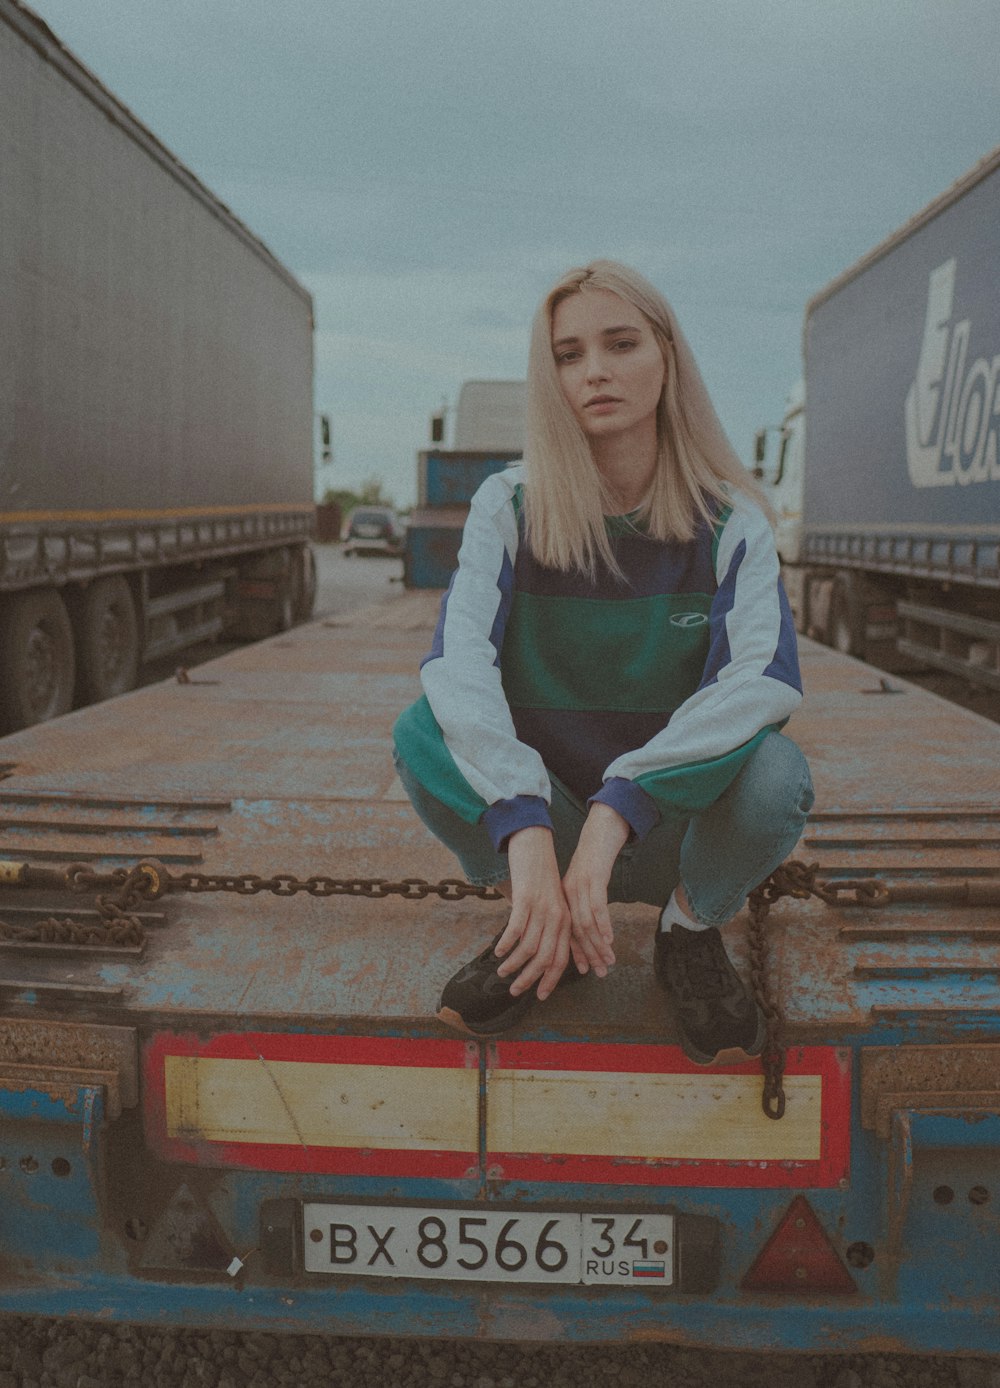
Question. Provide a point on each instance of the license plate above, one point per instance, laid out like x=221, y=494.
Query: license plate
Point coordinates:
x=368, y=531
x=489, y=1245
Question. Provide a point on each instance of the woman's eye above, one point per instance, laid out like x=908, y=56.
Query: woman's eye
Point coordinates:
x=624, y=345
x=563, y=357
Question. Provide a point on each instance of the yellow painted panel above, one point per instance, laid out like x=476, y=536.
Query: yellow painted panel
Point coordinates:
x=310, y=1104
x=688, y=1117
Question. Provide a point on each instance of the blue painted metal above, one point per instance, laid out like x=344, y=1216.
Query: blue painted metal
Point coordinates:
x=283, y=765
x=433, y=538
x=51, y=1182
x=446, y=483
x=450, y=477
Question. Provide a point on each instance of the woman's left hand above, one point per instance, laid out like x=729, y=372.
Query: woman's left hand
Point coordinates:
x=586, y=887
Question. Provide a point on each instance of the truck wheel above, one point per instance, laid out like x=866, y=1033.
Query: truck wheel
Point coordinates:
x=108, y=640
x=284, y=604
x=846, y=618
x=38, y=671
x=304, y=584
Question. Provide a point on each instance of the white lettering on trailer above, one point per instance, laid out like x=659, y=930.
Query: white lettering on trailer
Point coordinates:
x=952, y=414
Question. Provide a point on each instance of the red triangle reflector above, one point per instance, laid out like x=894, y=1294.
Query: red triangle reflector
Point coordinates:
x=799, y=1259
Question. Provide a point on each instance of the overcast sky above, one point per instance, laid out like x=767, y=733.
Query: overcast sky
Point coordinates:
x=427, y=168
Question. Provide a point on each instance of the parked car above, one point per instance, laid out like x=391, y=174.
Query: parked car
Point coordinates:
x=373, y=530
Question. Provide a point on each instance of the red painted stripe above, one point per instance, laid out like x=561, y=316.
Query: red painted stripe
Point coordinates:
x=634, y=1171
x=636, y=1059
x=338, y=1161
x=322, y=1050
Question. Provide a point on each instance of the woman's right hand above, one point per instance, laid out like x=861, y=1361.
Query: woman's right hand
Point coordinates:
x=535, y=946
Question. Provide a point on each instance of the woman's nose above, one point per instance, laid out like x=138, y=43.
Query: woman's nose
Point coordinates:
x=596, y=366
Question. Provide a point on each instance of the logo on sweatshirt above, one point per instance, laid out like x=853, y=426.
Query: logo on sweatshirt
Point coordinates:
x=688, y=619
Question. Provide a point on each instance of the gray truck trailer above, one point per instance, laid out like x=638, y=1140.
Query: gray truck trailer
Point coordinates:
x=887, y=479
x=155, y=398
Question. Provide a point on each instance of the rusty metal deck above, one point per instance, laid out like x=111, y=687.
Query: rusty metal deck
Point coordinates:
x=276, y=759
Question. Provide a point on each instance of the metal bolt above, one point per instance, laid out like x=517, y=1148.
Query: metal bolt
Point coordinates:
x=316, y=1235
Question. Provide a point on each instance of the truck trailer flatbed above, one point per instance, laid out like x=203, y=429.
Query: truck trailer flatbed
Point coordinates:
x=248, y=1115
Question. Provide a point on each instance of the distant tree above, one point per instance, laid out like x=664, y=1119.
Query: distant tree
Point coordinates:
x=370, y=493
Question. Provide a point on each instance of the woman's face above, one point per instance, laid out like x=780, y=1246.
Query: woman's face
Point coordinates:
x=609, y=364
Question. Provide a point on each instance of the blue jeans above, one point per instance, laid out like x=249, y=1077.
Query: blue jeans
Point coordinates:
x=719, y=855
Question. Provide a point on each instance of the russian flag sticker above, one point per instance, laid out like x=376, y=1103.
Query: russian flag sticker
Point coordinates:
x=649, y=1269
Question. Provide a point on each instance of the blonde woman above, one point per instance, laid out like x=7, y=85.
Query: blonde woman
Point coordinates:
x=613, y=660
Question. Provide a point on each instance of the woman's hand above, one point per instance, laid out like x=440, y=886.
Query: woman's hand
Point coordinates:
x=586, y=887
x=536, y=941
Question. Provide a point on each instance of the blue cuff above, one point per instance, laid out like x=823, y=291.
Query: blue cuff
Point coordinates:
x=507, y=816
x=631, y=802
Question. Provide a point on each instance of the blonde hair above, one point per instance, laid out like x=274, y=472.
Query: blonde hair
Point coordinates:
x=565, y=497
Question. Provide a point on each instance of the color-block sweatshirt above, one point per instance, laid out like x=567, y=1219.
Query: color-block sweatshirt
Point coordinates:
x=648, y=694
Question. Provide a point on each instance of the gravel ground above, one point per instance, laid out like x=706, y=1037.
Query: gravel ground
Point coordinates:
x=60, y=1354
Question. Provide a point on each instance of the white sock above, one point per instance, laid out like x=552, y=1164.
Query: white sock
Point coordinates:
x=672, y=912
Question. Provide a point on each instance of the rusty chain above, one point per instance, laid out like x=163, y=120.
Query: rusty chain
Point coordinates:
x=120, y=925
x=795, y=879
x=376, y=888
x=148, y=880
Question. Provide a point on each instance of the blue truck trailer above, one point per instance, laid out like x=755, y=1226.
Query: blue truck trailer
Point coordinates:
x=887, y=478
x=488, y=436
x=225, y=1099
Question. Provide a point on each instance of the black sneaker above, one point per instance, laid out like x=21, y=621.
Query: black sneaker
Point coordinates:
x=477, y=1000
x=712, y=1007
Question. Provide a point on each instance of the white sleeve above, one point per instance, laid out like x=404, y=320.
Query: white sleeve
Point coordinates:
x=461, y=676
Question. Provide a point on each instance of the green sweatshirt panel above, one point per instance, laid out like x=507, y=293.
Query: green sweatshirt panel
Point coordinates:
x=421, y=744
x=685, y=790
x=633, y=655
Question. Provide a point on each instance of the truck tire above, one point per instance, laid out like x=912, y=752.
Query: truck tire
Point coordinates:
x=846, y=628
x=265, y=596
x=38, y=668
x=304, y=582
x=284, y=604
x=107, y=640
